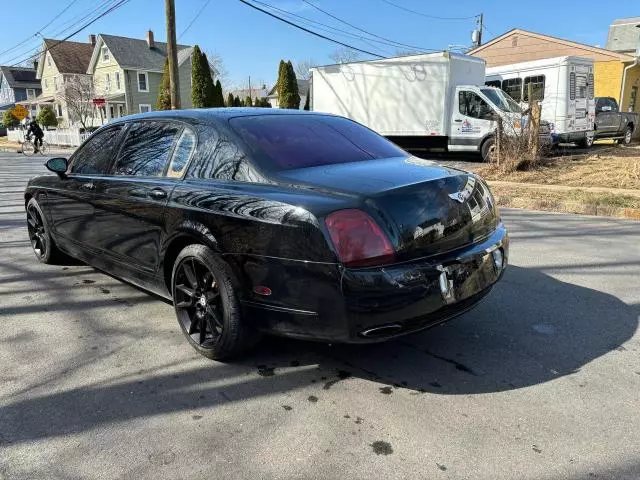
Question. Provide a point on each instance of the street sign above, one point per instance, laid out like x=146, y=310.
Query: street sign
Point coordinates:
x=98, y=102
x=20, y=112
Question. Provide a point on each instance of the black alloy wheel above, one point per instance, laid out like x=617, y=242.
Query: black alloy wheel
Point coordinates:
x=206, y=305
x=198, y=303
x=41, y=242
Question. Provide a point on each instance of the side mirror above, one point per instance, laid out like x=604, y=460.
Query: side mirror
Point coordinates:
x=57, y=165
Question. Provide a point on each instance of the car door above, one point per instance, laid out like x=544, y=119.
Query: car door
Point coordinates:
x=469, y=121
x=133, y=197
x=71, y=206
x=606, y=119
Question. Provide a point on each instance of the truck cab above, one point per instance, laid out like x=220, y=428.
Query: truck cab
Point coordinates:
x=611, y=123
x=474, y=118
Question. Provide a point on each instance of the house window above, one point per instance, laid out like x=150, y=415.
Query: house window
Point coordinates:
x=31, y=93
x=143, y=82
x=537, y=86
x=145, y=107
x=105, y=54
x=513, y=86
x=49, y=60
x=107, y=82
x=58, y=109
x=55, y=83
x=117, y=80
x=514, y=42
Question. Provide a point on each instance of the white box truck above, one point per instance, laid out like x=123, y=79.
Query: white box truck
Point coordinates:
x=431, y=101
x=565, y=88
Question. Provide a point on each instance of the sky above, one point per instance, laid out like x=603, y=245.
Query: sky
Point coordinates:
x=251, y=44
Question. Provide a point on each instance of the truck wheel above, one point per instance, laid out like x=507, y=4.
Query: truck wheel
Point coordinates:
x=628, y=133
x=586, y=142
x=488, y=149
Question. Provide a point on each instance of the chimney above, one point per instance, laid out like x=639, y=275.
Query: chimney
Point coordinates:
x=92, y=40
x=150, y=39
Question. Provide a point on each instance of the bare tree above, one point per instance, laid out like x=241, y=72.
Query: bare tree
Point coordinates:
x=302, y=68
x=344, y=55
x=77, y=94
x=219, y=70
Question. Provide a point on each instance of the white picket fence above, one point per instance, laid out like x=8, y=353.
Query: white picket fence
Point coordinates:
x=70, y=137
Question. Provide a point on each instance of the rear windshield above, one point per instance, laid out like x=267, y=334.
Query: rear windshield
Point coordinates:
x=297, y=141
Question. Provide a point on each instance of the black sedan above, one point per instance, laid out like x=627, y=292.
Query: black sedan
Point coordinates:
x=251, y=220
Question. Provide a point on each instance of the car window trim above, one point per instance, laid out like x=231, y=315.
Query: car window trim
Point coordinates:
x=149, y=120
x=186, y=126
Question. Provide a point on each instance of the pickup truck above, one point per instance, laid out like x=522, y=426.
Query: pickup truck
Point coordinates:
x=612, y=123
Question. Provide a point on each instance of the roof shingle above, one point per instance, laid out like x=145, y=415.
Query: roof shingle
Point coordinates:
x=69, y=57
x=135, y=53
x=20, y=77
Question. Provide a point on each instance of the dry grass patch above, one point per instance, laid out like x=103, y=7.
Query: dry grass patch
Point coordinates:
x=613, y=167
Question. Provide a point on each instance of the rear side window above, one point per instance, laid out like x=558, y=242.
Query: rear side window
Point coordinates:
x=146, y=149
x=300, y=141
x=537, y=87
x=182, y=153
x=96, y=155
x=513, y=86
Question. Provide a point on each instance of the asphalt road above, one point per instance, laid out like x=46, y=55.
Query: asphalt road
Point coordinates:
x=541, y=381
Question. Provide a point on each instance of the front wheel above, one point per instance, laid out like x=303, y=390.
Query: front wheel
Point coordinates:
x=206, y=305
x=488, y=150
x=42, y=243
x=626, y=139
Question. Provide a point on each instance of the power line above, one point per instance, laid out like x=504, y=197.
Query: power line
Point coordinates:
x=365, y=31
x=425, y=14
x=194, y=18
x=40, y=30
x=69, y=25
x=101, y=15
x=309, y=31
x=329, y=28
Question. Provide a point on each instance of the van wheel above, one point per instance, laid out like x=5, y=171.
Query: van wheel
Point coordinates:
x=488, y=150
x=586, y=142
x=206, y=305
x=628, y=134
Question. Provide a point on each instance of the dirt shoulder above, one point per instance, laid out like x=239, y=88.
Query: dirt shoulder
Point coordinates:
x=605, y=182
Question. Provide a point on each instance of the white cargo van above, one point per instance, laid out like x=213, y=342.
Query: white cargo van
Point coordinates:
x=431, y=101
x=564, y=85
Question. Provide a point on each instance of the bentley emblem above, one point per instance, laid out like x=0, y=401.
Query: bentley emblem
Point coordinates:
x=466, y=192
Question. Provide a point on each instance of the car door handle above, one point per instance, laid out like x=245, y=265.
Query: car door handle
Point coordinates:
x=88, y=186
x=458, y=120
x=157, y=194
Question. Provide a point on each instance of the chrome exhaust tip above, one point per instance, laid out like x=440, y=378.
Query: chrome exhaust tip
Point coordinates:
x=381, y=331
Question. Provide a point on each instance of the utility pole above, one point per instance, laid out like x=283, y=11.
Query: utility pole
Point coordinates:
x=250, y=95
x=480, y=28
x=172, y=53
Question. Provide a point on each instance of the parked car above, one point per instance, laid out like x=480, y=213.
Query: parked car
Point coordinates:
x=3, y=130
x=612, y=123
x=294, y=223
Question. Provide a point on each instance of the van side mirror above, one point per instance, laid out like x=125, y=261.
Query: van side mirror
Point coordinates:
x=57, y=165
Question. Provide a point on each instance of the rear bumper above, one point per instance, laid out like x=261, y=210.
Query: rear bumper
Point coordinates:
x=376, y=304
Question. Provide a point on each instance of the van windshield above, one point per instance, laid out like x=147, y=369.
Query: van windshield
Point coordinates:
x=501, y=100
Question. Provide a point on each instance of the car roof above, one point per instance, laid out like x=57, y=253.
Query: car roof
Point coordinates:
x=206, y=115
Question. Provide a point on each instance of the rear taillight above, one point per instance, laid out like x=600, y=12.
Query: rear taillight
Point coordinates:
x=358, y=240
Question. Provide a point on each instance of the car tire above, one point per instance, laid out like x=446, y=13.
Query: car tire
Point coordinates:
x=628, y=135
x=206, y=305
x=42, y=243
x=487, y=149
